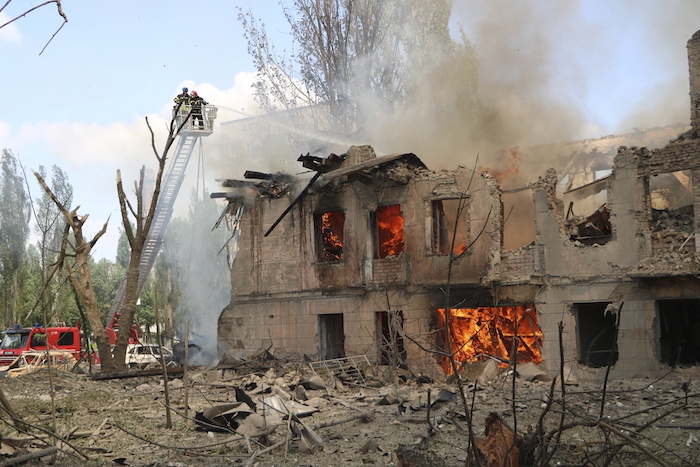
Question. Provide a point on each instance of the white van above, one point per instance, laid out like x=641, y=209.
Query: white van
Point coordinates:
x=143, y=354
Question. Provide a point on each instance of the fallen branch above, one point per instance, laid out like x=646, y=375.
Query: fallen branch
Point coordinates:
x=30, y=456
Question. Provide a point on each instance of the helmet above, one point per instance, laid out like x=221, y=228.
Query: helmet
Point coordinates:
x=185, y=89
x=194, y=93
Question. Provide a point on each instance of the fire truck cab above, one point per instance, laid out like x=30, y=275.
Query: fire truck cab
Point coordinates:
x=17, y=340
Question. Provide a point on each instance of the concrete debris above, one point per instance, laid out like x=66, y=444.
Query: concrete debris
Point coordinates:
x=275, y=406
x=531, y=372
x=491, y=371
x=313, y=382
x=224, y=417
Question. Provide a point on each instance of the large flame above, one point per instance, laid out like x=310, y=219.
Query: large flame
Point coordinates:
x=477, y=333
x=332, y=225
x=390, y=230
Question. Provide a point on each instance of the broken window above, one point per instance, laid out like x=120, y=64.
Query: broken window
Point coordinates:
x=479, y=333
x=389, y=325
x=594, y=229
x=388, y=231
x=329, y=230
x=332, y=336
x=672, y=212
x=597, y=334
x=449, y=220
x=679, y=336
x=671, y=191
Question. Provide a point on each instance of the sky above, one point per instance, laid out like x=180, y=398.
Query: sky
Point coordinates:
x=601, y=66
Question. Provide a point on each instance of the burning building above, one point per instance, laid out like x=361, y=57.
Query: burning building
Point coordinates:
x=378, y=255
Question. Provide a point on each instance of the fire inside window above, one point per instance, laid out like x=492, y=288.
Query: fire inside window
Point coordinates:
x=480, y=333
x=448, y=223
x=389, y=239
x=329, y=226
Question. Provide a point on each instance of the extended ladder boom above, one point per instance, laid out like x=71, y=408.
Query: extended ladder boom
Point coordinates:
x=170, y=186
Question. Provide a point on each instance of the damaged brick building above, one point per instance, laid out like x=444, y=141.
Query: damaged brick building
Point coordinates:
x=376, y=244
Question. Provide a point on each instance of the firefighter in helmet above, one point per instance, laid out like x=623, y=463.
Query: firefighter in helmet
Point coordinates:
x=182, y=98
x=197, y=103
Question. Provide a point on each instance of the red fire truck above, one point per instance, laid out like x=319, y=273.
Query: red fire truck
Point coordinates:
x=37, y=338
x=17, y=340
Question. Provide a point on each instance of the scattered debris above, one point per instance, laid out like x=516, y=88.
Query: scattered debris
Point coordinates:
x=347, y=369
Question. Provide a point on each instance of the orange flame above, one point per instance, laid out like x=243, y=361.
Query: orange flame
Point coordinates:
x=479, y=332
x=390, y=230
x=508, y=169
x=332, y=224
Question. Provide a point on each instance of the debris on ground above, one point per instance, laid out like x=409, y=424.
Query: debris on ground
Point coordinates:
x=274, y=412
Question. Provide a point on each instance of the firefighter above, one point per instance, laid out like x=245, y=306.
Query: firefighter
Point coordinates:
x=197, y=103
x=183, y=98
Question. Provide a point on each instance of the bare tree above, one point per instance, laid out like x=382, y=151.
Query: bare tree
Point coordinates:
x=74, y=256
x=136, y=221
x=59, y=8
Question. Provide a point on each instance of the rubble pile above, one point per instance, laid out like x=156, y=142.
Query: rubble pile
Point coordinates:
x=673, y=244
x=275, y=413
x=675, y=220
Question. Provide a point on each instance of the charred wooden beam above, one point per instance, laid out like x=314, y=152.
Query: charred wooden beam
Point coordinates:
x=319, y=164
x=257, y=175
x=296, y=200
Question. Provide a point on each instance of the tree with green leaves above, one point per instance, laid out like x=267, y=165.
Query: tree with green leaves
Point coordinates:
x=14, y=233
x=49, y=231
x=355, y=61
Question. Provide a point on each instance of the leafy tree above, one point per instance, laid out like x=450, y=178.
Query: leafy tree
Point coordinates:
x=123, y=250
x=49, y=232
x=106, y=277
x=28, y=311
x=356, y=60
x=14, y=233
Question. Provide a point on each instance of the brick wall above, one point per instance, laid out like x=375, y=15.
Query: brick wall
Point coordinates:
x=518, y=262
x=388, y=270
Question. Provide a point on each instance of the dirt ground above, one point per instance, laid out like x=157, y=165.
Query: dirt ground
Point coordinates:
x=412, y=421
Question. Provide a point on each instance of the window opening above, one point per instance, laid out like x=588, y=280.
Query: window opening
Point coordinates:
x=389, y=324
x=597, y=332
x=444, y=224
x=679, y=336
x=329, y=228
x=332, y=336
x=66, y=338
x=389, y=223
x=38, y=340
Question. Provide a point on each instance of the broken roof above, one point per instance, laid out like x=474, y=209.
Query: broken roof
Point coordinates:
x=368, y=165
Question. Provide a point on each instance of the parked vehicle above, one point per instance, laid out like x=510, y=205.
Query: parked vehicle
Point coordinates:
x=143, y=354
x=18, y=340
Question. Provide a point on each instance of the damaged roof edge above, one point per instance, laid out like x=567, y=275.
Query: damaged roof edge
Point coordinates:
x=408, y=158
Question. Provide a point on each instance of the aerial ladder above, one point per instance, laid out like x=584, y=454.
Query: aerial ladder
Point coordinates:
x=190, y=134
